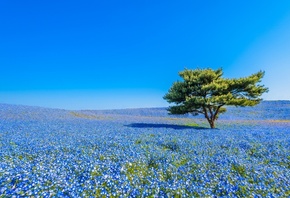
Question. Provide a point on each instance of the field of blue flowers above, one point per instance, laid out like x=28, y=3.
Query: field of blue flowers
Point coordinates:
x=144, y=153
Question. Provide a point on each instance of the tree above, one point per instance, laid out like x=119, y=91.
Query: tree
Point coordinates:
x=205, y=91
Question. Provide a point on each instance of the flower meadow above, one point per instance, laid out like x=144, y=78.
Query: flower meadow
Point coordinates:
x=144, y=153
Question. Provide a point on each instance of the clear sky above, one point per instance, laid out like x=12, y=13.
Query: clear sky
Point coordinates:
x=126, y=54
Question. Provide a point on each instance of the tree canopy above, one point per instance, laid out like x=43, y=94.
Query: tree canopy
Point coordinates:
x=205, y=91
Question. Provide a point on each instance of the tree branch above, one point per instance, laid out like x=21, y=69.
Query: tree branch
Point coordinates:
x=210, y=111
x=216, y=112
x=205, y=113
x=198, y=111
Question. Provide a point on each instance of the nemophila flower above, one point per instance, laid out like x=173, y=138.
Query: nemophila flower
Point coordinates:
x=141, y=152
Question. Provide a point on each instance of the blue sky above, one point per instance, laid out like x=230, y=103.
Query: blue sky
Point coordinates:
x=126, y=54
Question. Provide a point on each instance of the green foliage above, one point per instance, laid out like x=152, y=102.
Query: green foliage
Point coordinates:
x=96, y=172
x=192, y=124
x=138, y=141
x=172, y=146
x=183, y=161
x=205, y=91
x=240, y=169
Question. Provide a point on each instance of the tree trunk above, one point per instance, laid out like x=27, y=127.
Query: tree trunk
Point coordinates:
x=210, y=118
x=211, y=123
